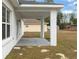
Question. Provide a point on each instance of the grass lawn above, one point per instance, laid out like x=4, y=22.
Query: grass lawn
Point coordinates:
x=67, y=43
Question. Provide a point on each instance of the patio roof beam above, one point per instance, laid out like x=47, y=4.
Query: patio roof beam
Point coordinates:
x=37, y=5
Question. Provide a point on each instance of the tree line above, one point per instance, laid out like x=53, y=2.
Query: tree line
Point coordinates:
x=60, y=23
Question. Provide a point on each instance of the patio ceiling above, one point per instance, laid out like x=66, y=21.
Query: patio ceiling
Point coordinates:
x=32, y=15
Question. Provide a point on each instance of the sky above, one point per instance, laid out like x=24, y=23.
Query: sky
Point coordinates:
x=69, y=5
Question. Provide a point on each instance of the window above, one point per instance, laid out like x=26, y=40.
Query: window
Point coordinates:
x=5, y=22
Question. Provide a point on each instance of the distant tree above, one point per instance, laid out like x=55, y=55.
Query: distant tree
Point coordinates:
x=59, y=18
x=47, y=20
x=73, y=20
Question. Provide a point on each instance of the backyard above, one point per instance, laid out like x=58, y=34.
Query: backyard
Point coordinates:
x=66, y=46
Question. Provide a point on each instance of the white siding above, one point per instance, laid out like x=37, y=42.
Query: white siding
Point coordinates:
x=35, y=28
x=9, y=43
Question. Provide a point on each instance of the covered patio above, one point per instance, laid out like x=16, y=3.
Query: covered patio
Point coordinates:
x=40, y=11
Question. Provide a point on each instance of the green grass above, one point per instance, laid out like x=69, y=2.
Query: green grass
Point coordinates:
x=66, y=44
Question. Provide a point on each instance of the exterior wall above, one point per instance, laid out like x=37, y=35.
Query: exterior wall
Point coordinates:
x=35, y=28
x=9, y=43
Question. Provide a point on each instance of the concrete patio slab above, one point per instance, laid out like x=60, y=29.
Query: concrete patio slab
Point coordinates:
x=32, y=42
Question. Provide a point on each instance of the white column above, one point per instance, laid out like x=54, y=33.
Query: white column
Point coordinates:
x=53, y=28
x=42, y=28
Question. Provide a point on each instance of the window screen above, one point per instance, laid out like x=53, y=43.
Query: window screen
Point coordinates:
x=3, y=14
x=8, y=30
x=3, y=31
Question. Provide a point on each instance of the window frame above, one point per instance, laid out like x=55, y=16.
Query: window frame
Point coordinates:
x=6, y=22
